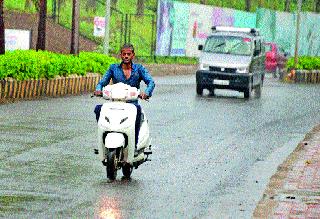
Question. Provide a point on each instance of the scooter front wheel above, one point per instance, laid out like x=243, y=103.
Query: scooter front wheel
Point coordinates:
x=112, y=164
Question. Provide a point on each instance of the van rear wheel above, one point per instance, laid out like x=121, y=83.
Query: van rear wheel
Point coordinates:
x=258, y=90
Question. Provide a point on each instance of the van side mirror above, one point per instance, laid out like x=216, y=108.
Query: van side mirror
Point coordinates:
x=200, y=47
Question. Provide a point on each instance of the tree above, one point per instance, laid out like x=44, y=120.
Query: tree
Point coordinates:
x=287, y=6
x=2, y=37
x=248, y=5
x=41, y=42
x=204, y=2
x=140, y=7
x=75, y=27
x=317, y=9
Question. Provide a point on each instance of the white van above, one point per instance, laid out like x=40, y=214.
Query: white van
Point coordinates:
x=232, y=58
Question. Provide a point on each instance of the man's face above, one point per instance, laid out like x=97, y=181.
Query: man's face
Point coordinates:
x=126, y=55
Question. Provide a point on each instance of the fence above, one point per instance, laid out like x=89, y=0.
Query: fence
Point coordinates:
x=305, y=76
x=11, y=90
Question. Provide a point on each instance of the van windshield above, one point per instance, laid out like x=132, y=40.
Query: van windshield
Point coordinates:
x=229, y=45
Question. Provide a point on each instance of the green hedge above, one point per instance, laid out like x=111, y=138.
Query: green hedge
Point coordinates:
x=305, y=63
x=30, y=64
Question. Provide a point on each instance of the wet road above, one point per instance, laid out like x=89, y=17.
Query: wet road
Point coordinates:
x=212, y=156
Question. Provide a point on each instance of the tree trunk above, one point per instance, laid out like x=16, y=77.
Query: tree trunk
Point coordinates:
x=91, y=5
x=41, y=42
x=317, y=6
x=2, y=36
x=204, y=2
x=140, y=7
x=287, y=6
x=75, y=27
x=248, y=5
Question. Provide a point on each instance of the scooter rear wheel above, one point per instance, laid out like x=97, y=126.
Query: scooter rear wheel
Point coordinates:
x=111, y=165
x=127, y=170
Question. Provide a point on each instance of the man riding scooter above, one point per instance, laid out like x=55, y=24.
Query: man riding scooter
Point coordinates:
x=129, y=73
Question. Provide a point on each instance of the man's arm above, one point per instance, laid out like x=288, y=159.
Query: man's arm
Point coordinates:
x=105, y=79
x=146, y=77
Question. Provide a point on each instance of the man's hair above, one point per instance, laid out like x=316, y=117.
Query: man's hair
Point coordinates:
x=127, y=46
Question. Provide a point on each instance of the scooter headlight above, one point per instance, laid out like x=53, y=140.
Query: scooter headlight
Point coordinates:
x=123, y=120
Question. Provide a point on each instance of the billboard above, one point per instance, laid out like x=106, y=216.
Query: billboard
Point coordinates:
x=99, y=25
x=181, y=27
x=17, y=39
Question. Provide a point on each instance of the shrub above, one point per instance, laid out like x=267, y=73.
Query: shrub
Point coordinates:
x=30, y=64
x=305, y=63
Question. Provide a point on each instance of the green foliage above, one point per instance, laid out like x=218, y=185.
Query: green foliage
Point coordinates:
x=30, y=64
x=305, y=63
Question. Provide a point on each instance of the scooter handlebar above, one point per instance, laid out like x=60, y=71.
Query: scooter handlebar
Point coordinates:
x=101, y=95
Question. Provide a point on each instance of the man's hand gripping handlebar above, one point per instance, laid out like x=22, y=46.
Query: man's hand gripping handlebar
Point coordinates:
x=97, y=93
x=144, y=96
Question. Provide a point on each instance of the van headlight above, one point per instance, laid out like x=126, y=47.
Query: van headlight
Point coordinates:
x=204, y=66
x=243, y=70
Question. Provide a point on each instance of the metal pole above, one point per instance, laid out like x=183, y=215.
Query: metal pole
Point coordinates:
x=297, y=35
x=107, y=27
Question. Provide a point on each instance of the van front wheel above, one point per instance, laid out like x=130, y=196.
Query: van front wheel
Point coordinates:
x=247, y=93
x=199, y=89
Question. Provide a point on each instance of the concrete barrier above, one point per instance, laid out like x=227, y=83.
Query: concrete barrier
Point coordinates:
x=170, y=69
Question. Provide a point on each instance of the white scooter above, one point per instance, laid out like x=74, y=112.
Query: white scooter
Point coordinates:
x=116, y=131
